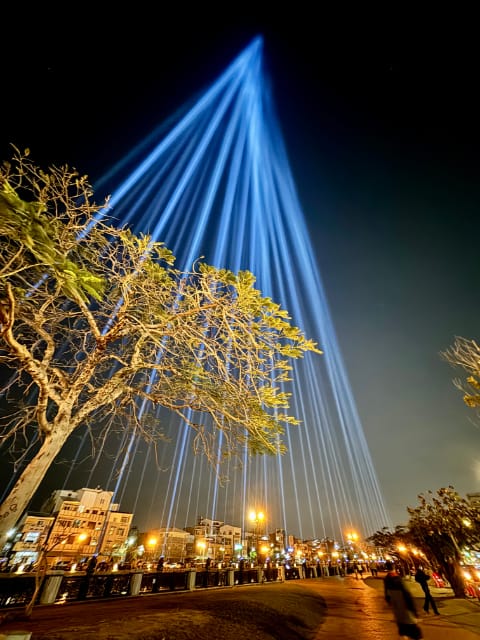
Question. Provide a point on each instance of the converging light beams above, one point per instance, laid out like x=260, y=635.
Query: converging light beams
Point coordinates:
x=218, y=185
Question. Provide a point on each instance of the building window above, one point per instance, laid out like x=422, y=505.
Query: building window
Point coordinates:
x=32, y=536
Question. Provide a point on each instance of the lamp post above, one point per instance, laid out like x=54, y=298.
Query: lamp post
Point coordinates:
x=201, y=545
x=409, y=561
x=256, y=518
x=352, y=539
x=152, y=546
x=80, y=540
x=264, y=549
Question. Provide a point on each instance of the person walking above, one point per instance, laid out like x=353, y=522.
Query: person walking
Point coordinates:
x=422, y=578
x=400, y=599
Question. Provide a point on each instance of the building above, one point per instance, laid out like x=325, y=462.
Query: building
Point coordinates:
x=216, y=540
x=31, y=538
x=171, y=543
x=114, y=541
x=86, y=523
x=232, y=542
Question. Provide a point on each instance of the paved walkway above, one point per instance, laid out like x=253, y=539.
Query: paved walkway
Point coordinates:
x=321, y=609
x=459, y=618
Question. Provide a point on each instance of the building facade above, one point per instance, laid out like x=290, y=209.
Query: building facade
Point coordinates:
x=73, y=527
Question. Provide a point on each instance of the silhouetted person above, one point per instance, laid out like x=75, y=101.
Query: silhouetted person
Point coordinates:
x=92, y=563
x=85, y=581
x=400, y=599
x=160, y=563
x=422, y=578
x=208, y=562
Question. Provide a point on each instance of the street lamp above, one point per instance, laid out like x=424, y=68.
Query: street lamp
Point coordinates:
x=202, y=546
x=264, y=549
x=409, y=562
x=256, y=518
x=352, y=538
x=152, y=545
x=335, y=558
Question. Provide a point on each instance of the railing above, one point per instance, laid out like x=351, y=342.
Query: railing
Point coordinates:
x=16, y=590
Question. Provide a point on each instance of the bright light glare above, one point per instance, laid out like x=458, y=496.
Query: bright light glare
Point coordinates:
x=217, y=183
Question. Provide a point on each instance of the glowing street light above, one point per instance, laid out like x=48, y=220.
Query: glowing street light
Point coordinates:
x=201, y=545
x=256, y=518
x=335, y=557
x=152, y=544
x=409, y=561
x=264, y=550
x=352, y=537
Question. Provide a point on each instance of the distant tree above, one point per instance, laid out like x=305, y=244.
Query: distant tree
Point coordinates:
x=398, y=544
x=389, y=540
x=465, y=353
x=444, y=524
x=96, y=322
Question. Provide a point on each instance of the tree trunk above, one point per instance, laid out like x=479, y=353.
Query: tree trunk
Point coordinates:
x=14, y=505
x=455, y=577
x=40, y=573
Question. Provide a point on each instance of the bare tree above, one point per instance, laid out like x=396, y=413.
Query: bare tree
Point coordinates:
x=95, y=320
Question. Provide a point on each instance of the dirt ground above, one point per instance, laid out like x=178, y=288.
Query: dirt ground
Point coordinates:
x=251, y=612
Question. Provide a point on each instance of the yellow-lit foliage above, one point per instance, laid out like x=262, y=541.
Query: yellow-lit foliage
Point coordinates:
x=95, y=321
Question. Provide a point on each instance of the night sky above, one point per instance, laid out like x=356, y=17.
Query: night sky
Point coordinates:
x=380, y=122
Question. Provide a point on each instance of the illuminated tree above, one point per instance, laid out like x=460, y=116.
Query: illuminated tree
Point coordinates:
x=389, y=540
x=96, y=322
x=466, y=354
x=395, y=544
x=444, y=524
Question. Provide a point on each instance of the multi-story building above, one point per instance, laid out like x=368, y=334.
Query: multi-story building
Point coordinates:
x=73, y=525
x=216, y=540
x=171, y=543
x=79, y=524
x=113, y=541
x=32, y=534
x=232, y=542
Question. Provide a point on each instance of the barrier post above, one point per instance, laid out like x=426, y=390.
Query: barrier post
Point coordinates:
x=51, y=586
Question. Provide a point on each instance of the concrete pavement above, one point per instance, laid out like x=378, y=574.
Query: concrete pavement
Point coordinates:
x=332, y=608
x=459, y=618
